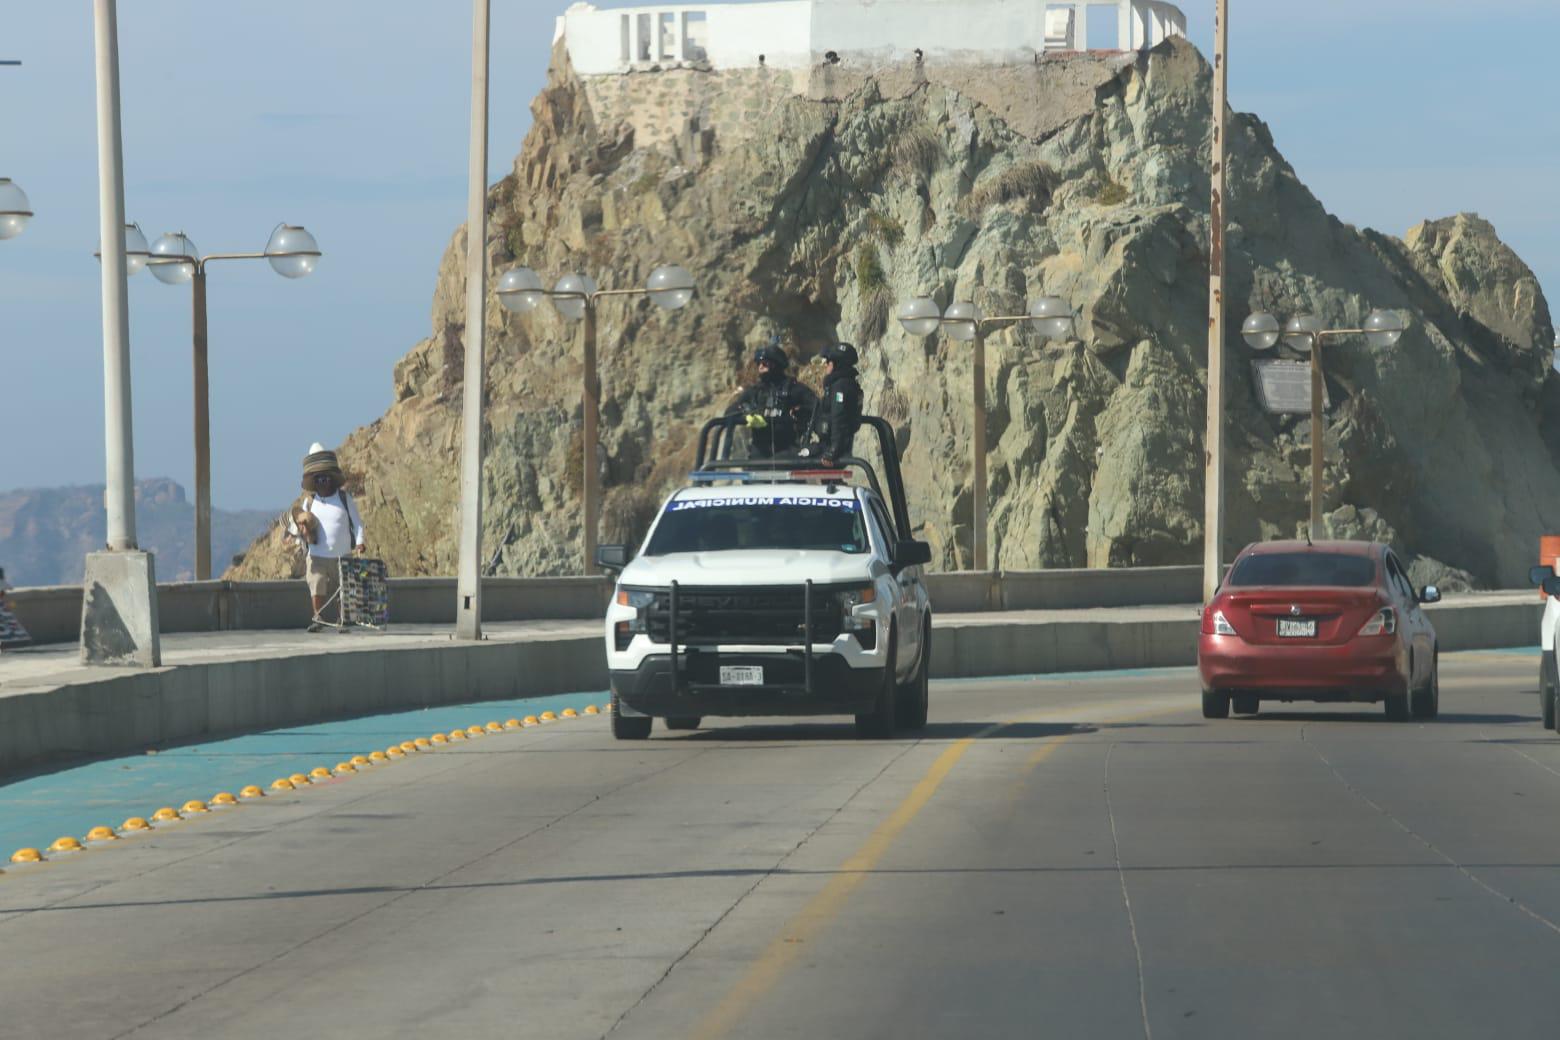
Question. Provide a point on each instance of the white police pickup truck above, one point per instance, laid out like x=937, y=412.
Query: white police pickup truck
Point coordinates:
x=1548, y=675
x=773, y=587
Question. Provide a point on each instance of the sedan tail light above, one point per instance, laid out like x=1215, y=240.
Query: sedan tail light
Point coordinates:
x=1215, y=623
x=1382, y=623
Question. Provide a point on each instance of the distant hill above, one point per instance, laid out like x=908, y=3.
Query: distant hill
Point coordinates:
x=45, y=532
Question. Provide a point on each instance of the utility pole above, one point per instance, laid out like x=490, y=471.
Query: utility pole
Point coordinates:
x=119, y=623
x=468, y=606
x=1213, y=441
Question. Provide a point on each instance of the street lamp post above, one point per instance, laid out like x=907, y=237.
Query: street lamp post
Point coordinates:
x=15, y=210
x=576, y=297
x=921, y=316
x=1306, y=333
x=173, y=259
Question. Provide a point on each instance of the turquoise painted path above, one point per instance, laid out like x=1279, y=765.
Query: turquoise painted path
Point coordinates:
x=35, y=811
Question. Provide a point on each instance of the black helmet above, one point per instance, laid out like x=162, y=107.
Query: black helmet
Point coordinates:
x=773, y=355
x=842, y=354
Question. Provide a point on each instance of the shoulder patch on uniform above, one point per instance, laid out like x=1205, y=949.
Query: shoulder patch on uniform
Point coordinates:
x=839, y=395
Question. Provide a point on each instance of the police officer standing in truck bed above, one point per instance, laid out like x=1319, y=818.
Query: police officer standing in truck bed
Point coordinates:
x=778, y=408
x=838, y=416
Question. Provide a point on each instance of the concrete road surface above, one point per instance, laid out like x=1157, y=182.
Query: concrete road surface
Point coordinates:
x=1057, y=857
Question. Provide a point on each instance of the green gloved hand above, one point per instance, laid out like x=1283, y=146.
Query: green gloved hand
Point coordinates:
x=756, y=421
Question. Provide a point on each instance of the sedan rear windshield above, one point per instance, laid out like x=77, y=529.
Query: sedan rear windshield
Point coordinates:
x=1304, y=568
x=774, y=522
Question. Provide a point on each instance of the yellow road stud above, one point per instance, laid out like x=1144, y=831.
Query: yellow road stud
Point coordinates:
x=548, y=716
x=591, y=709
x=378, y=756
x=438, y=738
x=531, y=720
x=394, y=752
x=251, y=791
x=361, y=761
x=409, y=746
x=283, y=784
x=136, y=823
x=167, y=814
x=224, y=798
x=494, y=727
x=65, y=844
x=298, y=779
x=457, y=734
x=570, y=713
x=102, y=834
x=422, y=744
x=344, y=768
x=195, y=806
x=319, y=773
x=474, y=731
x=511, y=723
x=26, y=856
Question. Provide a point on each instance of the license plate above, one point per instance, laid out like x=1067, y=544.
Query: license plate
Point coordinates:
x=741, y=675
x=1298, y=628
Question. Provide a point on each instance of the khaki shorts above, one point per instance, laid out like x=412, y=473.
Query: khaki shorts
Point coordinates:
x=323, y=574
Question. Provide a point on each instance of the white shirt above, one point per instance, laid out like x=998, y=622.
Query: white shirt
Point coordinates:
x=337, y=524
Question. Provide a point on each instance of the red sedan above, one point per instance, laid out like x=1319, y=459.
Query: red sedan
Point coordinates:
x=1329, y=621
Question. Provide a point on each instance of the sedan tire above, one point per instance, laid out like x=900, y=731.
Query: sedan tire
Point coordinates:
x=1426, y=701
x=1216, y=704
x=1246, y=704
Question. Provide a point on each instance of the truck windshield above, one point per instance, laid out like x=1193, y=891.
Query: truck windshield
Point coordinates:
x=1304, y=568
x=770, y=522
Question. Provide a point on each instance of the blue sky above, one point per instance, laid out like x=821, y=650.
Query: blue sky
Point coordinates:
x=350, y=117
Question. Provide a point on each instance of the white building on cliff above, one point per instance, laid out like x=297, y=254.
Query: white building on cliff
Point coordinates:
x=800, y=34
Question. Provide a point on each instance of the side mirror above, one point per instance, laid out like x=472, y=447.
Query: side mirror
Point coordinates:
x=1539, y=575
x=612, y=557
x=1429, y=594
x=1552, y=585
x=910, y=553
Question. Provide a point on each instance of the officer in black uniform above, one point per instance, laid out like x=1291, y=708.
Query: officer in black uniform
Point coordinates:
x=839, y=411
x=778, y=408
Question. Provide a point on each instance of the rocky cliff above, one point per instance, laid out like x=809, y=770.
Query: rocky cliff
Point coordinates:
x=810, y=204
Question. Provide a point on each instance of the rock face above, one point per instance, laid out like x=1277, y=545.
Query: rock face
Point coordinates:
x=810, y=204
x=45, y=532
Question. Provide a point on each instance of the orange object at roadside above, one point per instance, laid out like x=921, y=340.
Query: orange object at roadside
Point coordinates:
x=1548, y=552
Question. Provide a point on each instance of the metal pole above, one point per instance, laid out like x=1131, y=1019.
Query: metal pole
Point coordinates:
x=119, y=495
x=202, y=432
x=1318, y=435
x=468, y=606
x=591, y=484
x=1213, y=439
x=979, y=521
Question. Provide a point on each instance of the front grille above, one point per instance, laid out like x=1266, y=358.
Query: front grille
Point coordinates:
x=764, y=616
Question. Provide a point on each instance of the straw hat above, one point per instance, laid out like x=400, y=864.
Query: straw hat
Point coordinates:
x=319, y=461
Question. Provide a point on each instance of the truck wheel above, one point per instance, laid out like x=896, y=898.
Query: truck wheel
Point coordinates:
x=1216, y=704
x=1548, y=685
x=628, y=727
x=879, y=722
x=915, y=695
x=1426, y=701
x=690, y=722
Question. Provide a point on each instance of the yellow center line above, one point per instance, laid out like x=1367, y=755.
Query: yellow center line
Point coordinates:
x=822, y=908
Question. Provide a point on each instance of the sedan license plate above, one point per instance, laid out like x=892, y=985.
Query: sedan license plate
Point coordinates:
x=1297, y=628
x=741, y=675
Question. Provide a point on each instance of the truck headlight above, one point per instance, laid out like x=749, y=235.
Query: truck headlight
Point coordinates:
x=641, y=600
x=850, y=599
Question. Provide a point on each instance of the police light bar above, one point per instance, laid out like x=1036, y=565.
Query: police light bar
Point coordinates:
x=833, y=476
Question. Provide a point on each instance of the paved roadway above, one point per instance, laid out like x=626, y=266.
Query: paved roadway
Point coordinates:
x=1063, y=857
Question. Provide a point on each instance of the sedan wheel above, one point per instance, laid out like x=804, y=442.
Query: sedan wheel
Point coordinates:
x=1397, y=706
x=690, y=722
x=1247, y=704
x=1427, y=699
x=1216, y=704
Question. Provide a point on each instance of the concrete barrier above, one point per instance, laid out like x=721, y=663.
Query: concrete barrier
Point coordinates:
x=53, y=614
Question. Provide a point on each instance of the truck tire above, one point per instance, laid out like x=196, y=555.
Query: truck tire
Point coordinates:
x=915, y=695
x=1548, y=684
x=628, y=727
x=879, y=722
x=680, y=722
